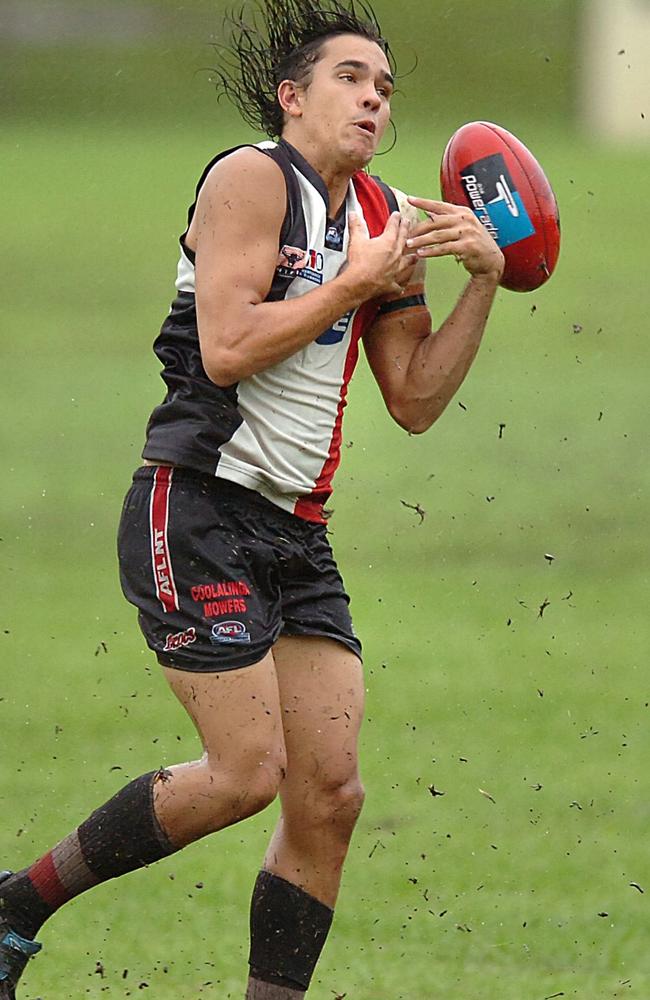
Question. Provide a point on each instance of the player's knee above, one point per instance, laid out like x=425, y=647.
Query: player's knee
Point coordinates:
x=242, y=788
x=339, y=804
x=260, y=781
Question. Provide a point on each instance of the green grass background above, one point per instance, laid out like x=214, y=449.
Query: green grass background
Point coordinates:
x=469, y=689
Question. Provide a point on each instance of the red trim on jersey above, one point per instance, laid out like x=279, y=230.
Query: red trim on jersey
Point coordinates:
x=160, y=556
x=373, y=203
x=43, y=876
x=376, y=213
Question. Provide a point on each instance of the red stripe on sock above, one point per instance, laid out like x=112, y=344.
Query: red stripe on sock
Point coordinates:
x=47, y=883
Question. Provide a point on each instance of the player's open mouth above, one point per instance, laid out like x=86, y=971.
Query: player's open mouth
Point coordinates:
x=368, y=127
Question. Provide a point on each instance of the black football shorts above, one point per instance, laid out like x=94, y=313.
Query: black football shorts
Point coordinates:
x=218, y=573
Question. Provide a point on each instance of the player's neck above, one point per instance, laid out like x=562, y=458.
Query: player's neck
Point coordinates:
x=335, y=176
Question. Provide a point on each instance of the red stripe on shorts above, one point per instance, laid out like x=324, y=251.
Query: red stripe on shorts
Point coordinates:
x=48, y=885
x=163, y=575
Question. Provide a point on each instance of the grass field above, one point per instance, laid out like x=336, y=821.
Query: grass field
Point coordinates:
x=470, y=688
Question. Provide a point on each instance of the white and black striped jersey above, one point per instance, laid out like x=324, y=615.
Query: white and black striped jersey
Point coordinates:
x=279, y=431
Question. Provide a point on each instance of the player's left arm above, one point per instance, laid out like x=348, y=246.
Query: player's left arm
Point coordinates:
x=419, y=369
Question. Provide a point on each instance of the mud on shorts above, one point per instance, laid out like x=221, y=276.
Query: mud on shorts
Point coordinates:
x=218, y=573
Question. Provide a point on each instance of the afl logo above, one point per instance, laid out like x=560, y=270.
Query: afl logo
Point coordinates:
x=229, y=632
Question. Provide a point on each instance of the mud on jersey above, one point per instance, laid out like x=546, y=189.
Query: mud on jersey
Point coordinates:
x=279, y=431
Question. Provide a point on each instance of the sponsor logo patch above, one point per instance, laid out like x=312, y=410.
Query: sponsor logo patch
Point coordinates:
x=336, y=333
x=223, y=598
x=179, y=639
x=226, y=633
x=233, y=606
x=225, y=588
x=293, y=262
x=495, y=200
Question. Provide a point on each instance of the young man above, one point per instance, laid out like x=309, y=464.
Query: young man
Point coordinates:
x=293, y=254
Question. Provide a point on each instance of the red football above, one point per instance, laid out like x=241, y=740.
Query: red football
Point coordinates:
x=489, y=169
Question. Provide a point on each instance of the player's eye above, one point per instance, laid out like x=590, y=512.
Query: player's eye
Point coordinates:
x=347, y=76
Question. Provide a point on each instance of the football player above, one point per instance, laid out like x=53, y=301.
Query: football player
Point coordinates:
x=293, y=256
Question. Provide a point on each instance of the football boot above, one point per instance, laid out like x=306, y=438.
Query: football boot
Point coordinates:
x=15, y=953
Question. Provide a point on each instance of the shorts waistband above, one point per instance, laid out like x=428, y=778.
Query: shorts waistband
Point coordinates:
x=222, y=490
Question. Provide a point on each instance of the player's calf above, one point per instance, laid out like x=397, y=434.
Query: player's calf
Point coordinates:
x=320, y=826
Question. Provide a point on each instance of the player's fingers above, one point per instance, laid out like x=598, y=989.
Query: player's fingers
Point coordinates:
x=393, y=226
x=452, y=249
x=432, y=224
x=354, y=224
x=445, y=235
x=402, y=236
x=437, y=207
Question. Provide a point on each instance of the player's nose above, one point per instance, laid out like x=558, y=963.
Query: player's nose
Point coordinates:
x=371, y=100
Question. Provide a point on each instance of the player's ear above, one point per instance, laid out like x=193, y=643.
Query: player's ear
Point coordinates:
x=290, y=98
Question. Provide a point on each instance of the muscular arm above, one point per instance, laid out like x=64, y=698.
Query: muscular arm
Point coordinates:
x=235, y=235
x=419, y=370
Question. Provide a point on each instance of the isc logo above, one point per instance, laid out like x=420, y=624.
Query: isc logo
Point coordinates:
x=336, y=333
x=178, y=639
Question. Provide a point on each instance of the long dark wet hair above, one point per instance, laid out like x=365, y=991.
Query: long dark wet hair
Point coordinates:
x=274, y=40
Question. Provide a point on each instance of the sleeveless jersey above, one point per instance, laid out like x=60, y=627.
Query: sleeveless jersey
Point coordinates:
x=279, y=431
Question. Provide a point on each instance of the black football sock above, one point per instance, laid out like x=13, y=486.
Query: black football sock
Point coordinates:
x=117, y=838
x=288, y=931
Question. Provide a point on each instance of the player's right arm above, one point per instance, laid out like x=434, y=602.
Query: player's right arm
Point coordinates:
x=235, y=234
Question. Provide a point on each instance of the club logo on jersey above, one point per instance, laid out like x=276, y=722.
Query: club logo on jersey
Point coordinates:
x=495, y=200
x=334, y=237
x=296, y=263
x=336, y=333
x=292, y=258
x=179, y=639
x=226, y=633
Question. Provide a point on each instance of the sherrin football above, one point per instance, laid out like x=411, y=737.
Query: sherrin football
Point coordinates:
x=489, y=169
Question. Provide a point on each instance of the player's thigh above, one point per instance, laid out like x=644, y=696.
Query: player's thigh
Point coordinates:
x=321, y=691
x=237, y=714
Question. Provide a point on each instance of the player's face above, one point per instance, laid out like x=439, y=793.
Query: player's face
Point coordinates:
x=346, y=107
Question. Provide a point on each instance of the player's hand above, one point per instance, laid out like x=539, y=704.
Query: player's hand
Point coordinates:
x=381, y=265
x=454, y=230
x=407, y=267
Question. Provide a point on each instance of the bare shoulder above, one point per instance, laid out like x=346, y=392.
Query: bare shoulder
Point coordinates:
x=244, y=190
x=410, y=213
x=249, y=176
x=407, y=210
x=247, y=162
